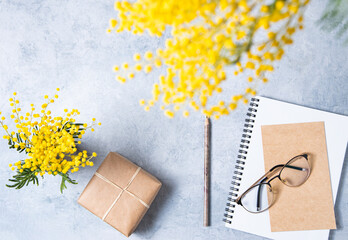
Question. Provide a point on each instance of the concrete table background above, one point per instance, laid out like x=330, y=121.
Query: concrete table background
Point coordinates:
x=50, y=44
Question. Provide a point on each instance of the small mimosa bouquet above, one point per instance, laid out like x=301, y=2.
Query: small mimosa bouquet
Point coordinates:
x=50, y=143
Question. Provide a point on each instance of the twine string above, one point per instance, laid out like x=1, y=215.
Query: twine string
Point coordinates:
x=122, y=190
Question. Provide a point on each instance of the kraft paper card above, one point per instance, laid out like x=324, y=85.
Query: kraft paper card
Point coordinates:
x=310, y=205
x=120, y=193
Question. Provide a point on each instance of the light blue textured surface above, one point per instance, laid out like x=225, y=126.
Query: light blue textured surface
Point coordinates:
x=49, y=44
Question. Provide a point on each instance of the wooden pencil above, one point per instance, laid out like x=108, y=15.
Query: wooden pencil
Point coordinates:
x=207, y=142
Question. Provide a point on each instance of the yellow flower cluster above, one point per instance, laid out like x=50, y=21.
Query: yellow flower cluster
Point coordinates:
x=207, y=39
x=49, y=142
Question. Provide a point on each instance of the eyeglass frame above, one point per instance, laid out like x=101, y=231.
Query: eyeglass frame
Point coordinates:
x=261, y=180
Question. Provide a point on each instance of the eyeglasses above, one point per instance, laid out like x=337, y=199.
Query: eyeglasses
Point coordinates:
x=260, y=197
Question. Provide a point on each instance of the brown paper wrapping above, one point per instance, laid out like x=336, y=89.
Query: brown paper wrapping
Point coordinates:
x=120, y=193
x=309, y=206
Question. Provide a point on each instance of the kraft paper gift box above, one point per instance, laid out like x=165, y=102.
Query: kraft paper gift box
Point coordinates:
x=120, y=193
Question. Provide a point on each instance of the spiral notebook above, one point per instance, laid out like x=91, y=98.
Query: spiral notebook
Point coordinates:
x=250, y=161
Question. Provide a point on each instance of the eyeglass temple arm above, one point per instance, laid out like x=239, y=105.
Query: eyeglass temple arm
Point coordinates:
x=272, y=169
x=254, y=184
x=287, y=166
x=265, y=177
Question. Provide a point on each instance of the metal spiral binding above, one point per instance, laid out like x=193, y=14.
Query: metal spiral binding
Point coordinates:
x=240, y=162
